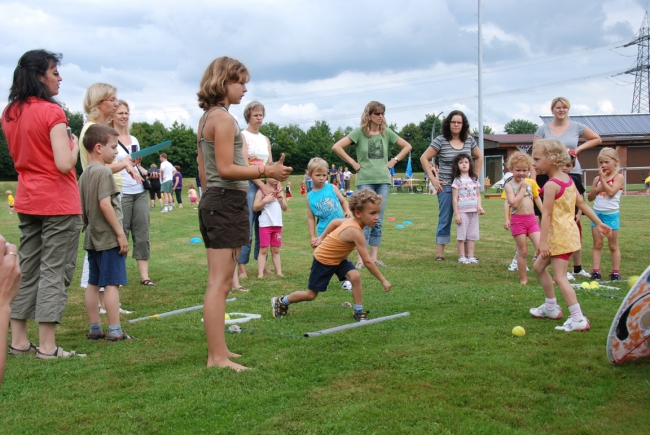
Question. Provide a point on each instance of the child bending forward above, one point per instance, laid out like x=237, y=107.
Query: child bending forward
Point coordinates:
x=333, y=247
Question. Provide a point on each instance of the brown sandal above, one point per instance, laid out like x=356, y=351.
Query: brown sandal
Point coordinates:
x=30, y=348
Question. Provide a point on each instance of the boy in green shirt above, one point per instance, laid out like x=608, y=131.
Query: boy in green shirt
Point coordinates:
x=104, y=239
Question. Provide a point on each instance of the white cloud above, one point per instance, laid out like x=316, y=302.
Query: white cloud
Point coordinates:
x=623, y=11
x=605, y=106
x=492, y=33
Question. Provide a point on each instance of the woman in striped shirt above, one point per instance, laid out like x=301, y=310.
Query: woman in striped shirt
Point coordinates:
x=454, y=140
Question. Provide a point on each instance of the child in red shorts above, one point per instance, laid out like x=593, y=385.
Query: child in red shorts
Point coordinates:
x=271, y=206
x=559, y=236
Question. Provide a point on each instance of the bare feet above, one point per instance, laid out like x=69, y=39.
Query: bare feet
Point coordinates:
x=267, y=271
x=260, y=276
x=233, y=355
x=279, y=274
x=243, y=275
x=229, y=364
x=523, y=282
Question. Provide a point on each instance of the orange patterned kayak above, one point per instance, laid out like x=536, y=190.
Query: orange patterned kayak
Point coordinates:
x=629, y=336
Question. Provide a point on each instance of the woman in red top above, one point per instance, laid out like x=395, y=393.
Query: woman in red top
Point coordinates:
x=44, y=156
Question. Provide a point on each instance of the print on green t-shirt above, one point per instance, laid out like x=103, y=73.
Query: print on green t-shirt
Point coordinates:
x=375, y=148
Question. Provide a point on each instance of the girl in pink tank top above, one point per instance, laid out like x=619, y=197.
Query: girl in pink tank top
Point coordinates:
x=559, y=236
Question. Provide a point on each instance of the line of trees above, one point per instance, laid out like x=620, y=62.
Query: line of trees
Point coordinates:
x=298, y=145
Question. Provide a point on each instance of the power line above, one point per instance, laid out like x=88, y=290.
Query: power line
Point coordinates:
x=454, y=100
x=413, y=81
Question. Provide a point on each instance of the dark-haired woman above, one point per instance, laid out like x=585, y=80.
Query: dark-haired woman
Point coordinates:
x=44, y=156
x=223, y=210
x=372, y=164
x=455, y=139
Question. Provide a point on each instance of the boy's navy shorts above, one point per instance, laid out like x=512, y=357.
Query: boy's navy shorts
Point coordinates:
x=106, y=267
x=321, y=274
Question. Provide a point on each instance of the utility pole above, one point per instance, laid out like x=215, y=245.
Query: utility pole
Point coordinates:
x=641, y=98
x=480, y=94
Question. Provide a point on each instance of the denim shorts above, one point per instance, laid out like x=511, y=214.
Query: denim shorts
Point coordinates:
x=106, y=268
x=321, y=274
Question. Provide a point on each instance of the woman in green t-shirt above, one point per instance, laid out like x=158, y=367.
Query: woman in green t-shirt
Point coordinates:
x=372, y=164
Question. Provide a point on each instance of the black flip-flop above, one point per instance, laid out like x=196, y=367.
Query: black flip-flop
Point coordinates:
x=148, y=283
x=440, y=258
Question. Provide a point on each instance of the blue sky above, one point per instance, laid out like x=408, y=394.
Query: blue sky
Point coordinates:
x=325, y=60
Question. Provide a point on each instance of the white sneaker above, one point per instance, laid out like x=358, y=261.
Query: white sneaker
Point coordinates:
x=346, y=285
x=102, y=311
x=583, y=273
x=472, y=260
x=571, y=325
x=463, y=260
x=542, y=312
x=569, y=276
x=513, y=265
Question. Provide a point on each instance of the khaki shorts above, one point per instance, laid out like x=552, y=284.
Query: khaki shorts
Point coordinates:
x=48, y=256
x=166, y=187
x=223, y=218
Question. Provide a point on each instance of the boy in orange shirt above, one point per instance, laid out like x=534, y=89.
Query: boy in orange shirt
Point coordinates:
x=333, y=246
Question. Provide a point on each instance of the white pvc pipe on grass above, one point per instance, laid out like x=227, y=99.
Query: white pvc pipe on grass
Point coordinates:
x=354, y=325
x=171, y=313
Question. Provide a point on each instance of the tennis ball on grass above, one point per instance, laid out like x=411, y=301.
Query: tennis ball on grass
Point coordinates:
x=594, y=284
x=518, y=331
x=632, y=280
x=227, y=316
x=585, y=285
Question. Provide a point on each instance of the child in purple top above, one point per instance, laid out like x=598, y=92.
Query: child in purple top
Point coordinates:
x=178, y=185
x=467, y=206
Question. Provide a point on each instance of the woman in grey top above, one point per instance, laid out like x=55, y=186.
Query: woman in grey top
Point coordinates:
x=454, y=140
x=568, y=132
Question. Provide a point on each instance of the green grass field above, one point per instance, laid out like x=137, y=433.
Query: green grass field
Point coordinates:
x=451, y=367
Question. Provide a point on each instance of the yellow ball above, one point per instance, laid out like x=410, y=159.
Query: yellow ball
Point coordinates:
x=594, y=284
x=585, y=285
x=632, y=280
x=227, y=316
x=518, y=331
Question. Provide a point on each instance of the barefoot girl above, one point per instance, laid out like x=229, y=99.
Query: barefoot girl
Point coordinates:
x=520, y=197
x=223, y=210
x=559, y=236
x=606, y=195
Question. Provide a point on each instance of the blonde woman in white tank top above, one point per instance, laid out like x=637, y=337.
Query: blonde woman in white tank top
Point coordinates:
x=259, y=154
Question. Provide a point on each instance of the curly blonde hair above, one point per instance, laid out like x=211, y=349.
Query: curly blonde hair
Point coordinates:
x=371, y=108
x=214, y=84
x=554, y=151
x=359, y=199
x=94, y=96
x=519, y=158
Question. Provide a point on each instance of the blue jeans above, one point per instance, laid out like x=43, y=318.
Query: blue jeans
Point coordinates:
x=310, y=185
x=253, y=220
x=443, y=234
x=373, y=235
